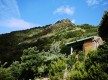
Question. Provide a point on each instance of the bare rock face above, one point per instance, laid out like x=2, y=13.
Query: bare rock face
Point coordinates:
x=63, y=24
x=98, y=40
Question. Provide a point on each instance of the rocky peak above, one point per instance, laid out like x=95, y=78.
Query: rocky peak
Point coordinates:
x=64, y=21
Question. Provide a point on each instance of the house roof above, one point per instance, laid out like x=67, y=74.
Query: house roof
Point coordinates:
x=80, y=41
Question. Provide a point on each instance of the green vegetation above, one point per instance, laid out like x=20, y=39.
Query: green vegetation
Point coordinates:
x=5, y=73
x=41, y=52
x=13, y=44
x=57, y=69
x=95, y=67
x=103, y=27
x=52, y=64
x=35, y=64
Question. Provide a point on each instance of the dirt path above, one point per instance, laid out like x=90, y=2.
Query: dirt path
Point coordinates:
x=65, y=74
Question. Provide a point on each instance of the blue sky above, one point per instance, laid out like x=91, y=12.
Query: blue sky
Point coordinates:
x=25, y=14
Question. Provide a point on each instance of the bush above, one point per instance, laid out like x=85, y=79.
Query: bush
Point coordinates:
x=15, y=69
x=5, y=74
x=94, y=67
x=36, y=64
x=78, y=72
x=56, y=69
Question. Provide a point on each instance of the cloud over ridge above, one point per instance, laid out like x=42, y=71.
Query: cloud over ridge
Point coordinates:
x=17, y=23
x=64, y=10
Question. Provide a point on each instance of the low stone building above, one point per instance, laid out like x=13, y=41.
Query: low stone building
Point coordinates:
x=85, y=44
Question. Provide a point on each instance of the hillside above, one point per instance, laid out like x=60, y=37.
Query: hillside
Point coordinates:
x=63, y=31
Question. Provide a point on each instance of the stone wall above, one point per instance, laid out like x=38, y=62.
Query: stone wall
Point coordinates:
x=88, y=46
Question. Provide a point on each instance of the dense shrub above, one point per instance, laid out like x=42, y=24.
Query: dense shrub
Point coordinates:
x=78, y=72
x=35, y=64
x=5, y=73
x=94, y=67
x=57, y=69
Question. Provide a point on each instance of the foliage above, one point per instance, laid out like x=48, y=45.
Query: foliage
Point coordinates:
x=103, y=27
x=57, y=69
x=15, y=69
x=94, y=67
x=34, y=64
x=78, y=72
x=13, y=44
x=71, y=61
x=96, y=64
x=81, y=56
x=5, y=73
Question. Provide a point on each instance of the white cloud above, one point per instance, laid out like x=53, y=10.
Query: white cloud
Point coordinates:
x=73, y=20
x=10, y=16
x=93, y=2
x=105, y=3
x=17, y=23
x=64, y=10
x=8, y=9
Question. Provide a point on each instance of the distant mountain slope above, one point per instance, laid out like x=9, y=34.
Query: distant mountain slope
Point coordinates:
x=63, y=31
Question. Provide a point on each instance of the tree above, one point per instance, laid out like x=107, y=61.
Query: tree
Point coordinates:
x=102, y=31
x=57, y=69
x=35, y=64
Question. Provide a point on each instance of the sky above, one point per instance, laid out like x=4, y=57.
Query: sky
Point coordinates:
x=24, y=14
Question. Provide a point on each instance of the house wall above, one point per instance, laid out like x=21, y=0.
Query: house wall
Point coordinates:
x=89, y=45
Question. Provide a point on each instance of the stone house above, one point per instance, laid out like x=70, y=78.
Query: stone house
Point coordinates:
x=86, y=44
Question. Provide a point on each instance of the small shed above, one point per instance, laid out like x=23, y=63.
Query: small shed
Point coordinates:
x=85, y=44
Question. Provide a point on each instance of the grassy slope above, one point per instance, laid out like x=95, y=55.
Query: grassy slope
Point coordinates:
x=13, y=44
